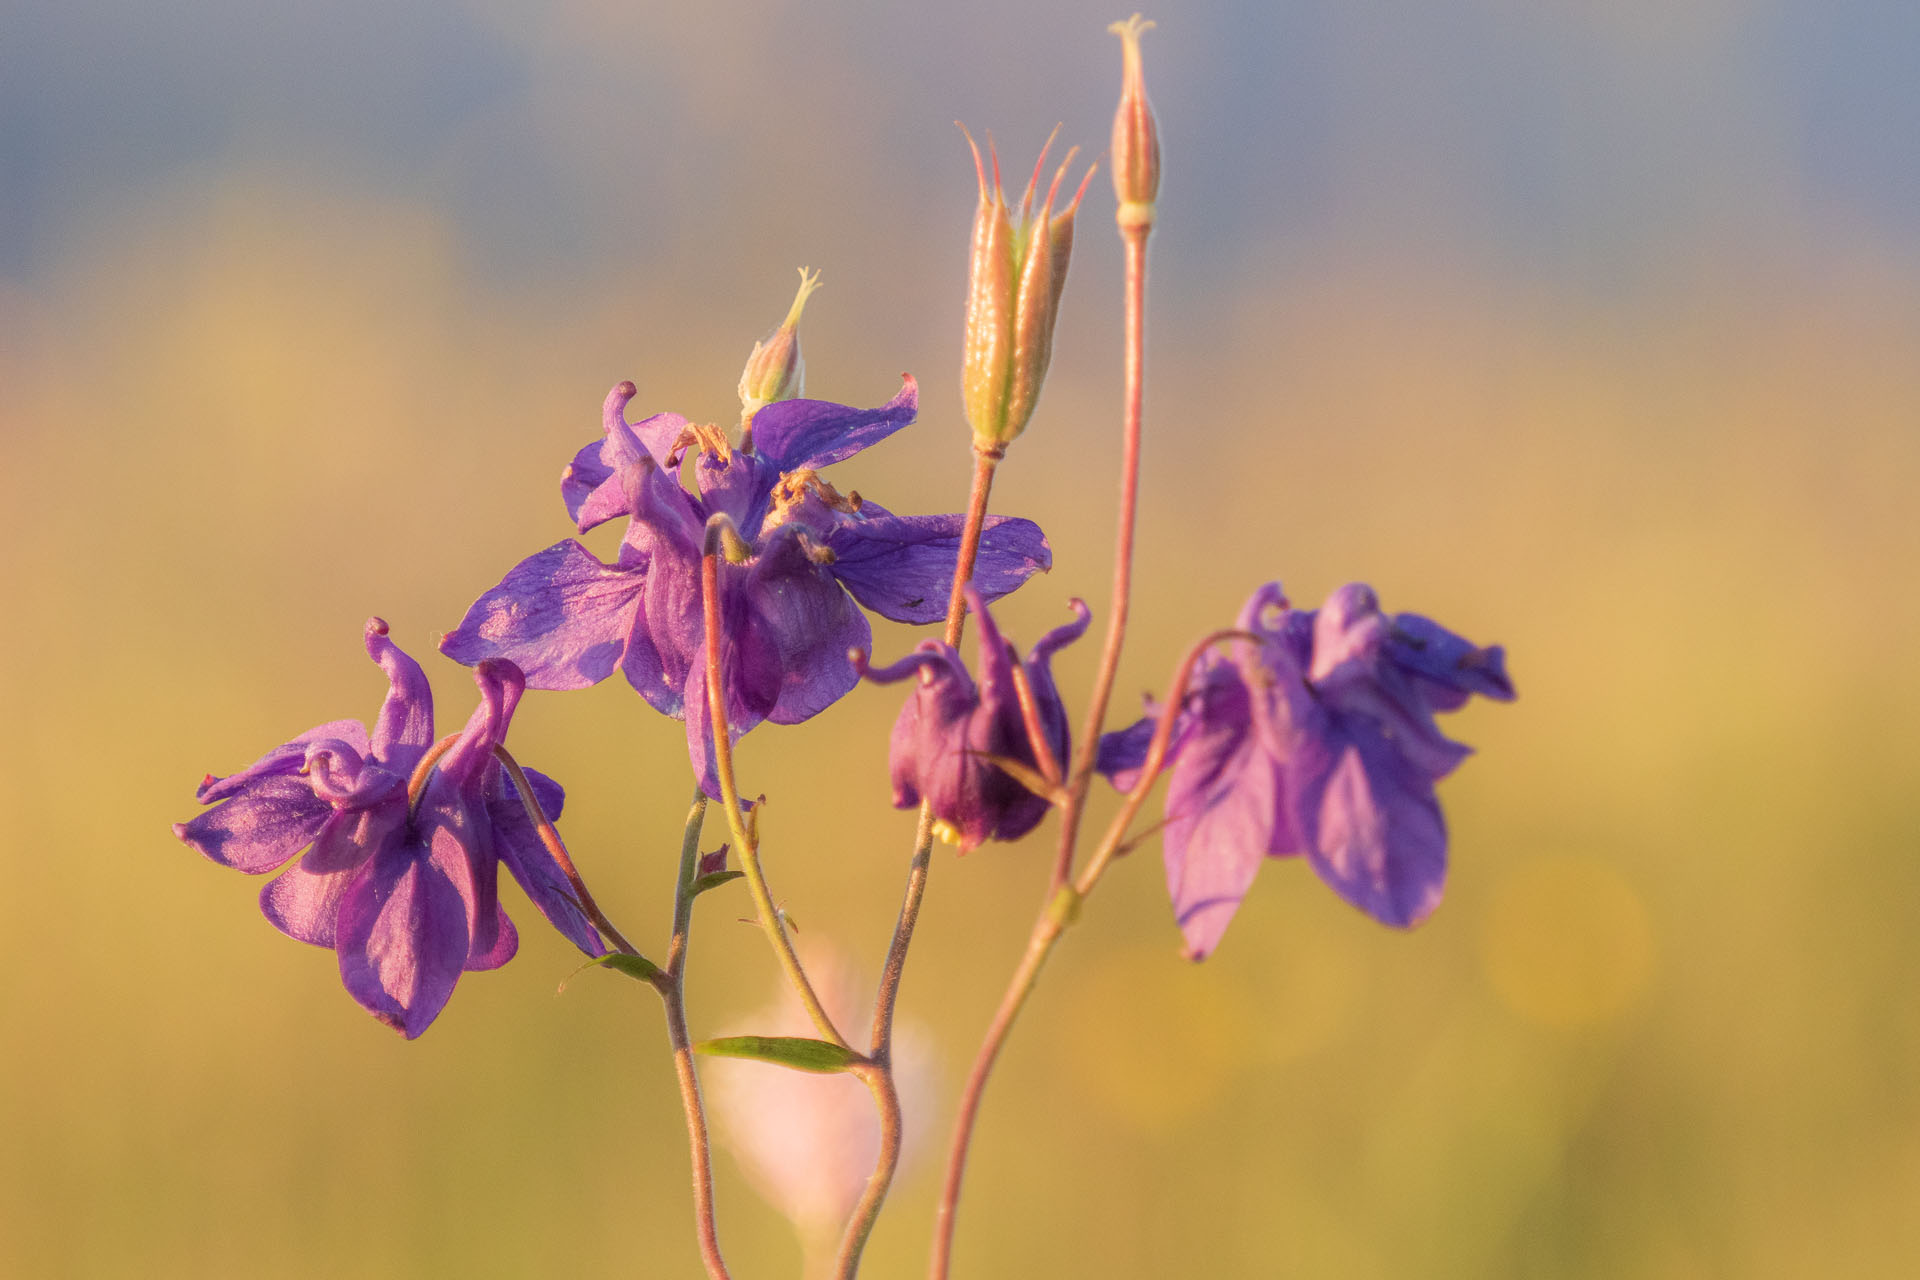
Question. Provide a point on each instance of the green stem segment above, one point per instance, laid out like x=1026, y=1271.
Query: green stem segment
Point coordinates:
x=672, y=985
x=670, y=982
x=551, y=839
x=719, y=530
x=1064, y=896
x=879, y=1075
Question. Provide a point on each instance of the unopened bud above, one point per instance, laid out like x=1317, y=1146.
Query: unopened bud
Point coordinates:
x=1136, y=138
x=1013, y=296
x=775, y=370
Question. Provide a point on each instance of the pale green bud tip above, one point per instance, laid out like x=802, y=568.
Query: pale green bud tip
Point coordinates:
x=1136, y=135
x=809, y=281
x=775, y=370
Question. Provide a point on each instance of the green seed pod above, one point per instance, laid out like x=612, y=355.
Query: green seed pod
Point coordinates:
x=1018, y=271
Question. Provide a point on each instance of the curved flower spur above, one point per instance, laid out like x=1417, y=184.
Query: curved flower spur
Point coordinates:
x=788, y=607
x=402, y=840
x=952, y=735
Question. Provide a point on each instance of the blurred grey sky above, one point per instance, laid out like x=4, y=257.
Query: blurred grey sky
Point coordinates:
x=1584, y=142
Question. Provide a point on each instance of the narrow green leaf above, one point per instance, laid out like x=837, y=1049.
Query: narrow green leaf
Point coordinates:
x=713, y=880
x=637, y=967
x=797, y=1052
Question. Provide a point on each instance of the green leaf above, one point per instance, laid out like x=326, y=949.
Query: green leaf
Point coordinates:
x=713, y=880
x=637, y=967
x=797, y=1052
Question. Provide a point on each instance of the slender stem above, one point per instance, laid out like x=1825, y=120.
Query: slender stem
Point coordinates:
x=417, y=781
x=879, y=1079
x=1063, y=899
x=771, y=921
x=1046, y=933
x=669, y=982
x=1115, y=838
x=551, y=839
x=1081, y=775
x=1036, y=732
x=984, y=464
x=890, y=974
x=673, y=996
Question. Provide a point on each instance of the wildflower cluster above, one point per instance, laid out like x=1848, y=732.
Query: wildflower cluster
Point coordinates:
x=739, y=596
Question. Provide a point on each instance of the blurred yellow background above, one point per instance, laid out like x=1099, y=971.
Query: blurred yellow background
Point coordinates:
x=1585, y=328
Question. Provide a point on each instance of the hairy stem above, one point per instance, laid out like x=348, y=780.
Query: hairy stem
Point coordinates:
x=673, y=996
x=1039, y=946
x=1063, y=899
x=551, y=839
x=771, y=921
x=879, y=1078
x=1080, y=777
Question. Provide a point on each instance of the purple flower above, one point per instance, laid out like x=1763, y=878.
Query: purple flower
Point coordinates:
x=406, y=893
x=949, y=728
x=789, y=611
x=1317, y=738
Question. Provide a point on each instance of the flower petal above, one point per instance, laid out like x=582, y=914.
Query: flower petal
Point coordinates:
x=1224, y=810
x=1373, y=828
x=1123, y=753
x=404, y=730
x=506, y=943
x=469, y=762
x=901, y=567
x=592, y=486
x=699, y=732
x=305, y=904
x=351, y=836
x=1446, y=668
x=739, y=485
x=260, y=828
x=666, y=638
x=402, y=936
x=815, y=433
x=560, y=615
x=798, y=628
x=288, y=758
x=519, y=846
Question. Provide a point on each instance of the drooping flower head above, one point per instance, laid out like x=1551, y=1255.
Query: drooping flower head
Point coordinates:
x=789, y=612
x=950, y=730
x=404, y=891
x=1316, y=737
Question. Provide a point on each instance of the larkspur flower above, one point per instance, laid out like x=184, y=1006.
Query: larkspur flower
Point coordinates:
x=950, y=730
x=789, y=612
x=1317, y=737
x=405, y=892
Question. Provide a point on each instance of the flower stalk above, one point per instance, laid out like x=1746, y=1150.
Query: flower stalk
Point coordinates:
x=1136, y=185
x=672, y=987
x=721, y=535
x=879, y=1077
x=551, y=839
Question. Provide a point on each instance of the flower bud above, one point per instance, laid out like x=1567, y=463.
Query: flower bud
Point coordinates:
x=775, y=370
x=1013, y=295
x=1136, y=138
